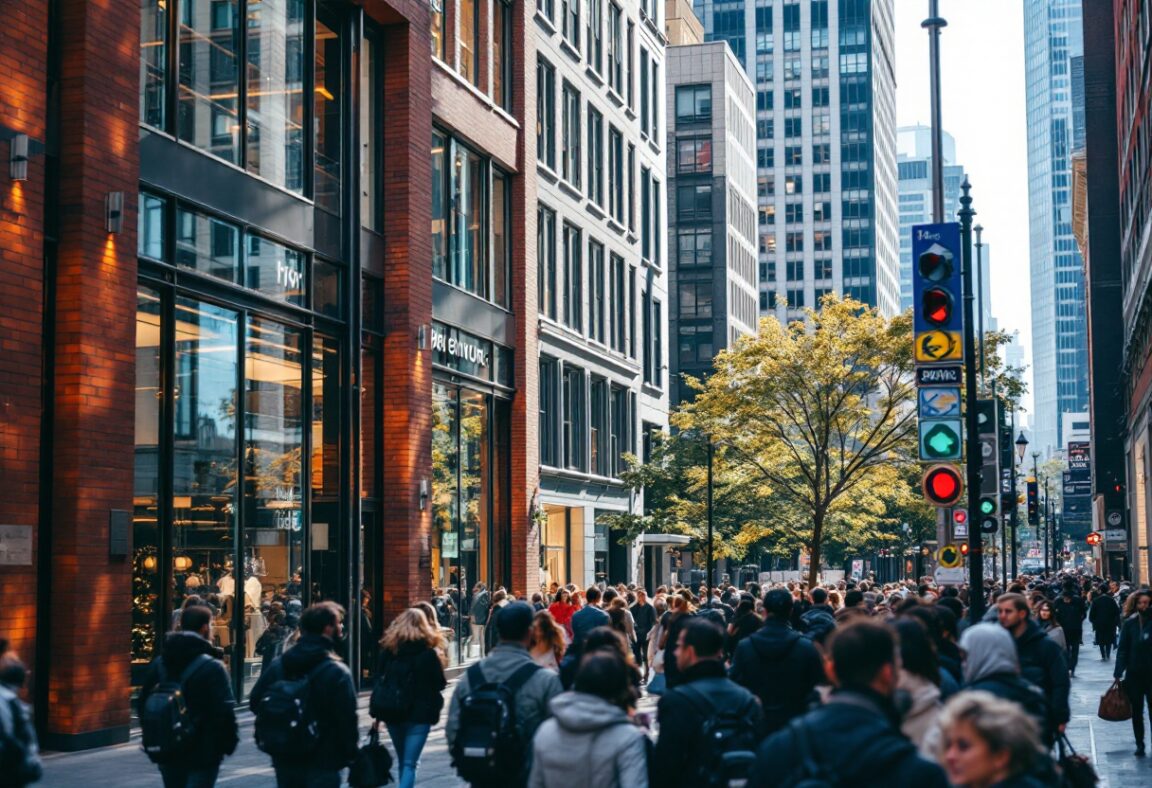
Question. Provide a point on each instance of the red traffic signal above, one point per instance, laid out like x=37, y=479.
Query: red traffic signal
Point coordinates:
x=936, y=306
x=943, y=485
x=960, y=517
x=963, y=548
x=1094, y=538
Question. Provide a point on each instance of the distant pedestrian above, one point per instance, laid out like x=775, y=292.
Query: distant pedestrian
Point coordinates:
x=1104, y=615
x=819, y=619
x=20, y=763
x=1046, y=618
x=1070, y=612
x=562, y=609
x=547, y=641
x=1134, y=663
x=644, y=617
x=478, y=610
x=588, y=617
x=679, y=612
x=986, y=741
x=189, y=671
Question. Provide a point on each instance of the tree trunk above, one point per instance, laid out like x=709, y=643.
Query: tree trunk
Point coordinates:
x=814, y=553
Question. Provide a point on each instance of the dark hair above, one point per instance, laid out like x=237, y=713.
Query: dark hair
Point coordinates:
x=604, y=673
x=853, y=598
x=514, y=621
x=950, y=610
x=195, y=617
x=819, y=596
x=745, y=607
x=320, y=616
x=778, y=603
x=1019, y=602
x=917, y=651
x=592, y=594
x=600, y=638
x=860, y=649
x=617, y=616
x=704, y=636
x=610, y=594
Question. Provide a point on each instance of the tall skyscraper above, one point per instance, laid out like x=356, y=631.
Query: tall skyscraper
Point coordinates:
x=1053, y=39
x=826, y=145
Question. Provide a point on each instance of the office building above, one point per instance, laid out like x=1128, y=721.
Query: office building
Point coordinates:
x=1053, y=38
x=712, y=216
x=826, y=146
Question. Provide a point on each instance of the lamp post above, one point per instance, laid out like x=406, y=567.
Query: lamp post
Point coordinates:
x=1021, y=448
x=933, y=24
x=1036, y=476
x=979, y=230
x=708, y=601
x=974, y=458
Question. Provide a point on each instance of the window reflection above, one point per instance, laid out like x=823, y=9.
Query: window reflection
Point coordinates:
x=275, y=83
x=153, y=61
x=147, y=627
x=327, y=95
x=209, y=39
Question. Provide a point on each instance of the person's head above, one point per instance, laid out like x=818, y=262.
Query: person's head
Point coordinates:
x=745, y=607
x=986, y=650
x=617, y=617
x=498, y=596
x=514, y=623
x=1046, y=612
x=641, y=596
x=699, y=640
x=12, y=670
x=678, y=603
x=818, y=596
x=411, y=626
x=985, y=740
x=917, y=651
x=592, y=595
x=778, y=604
x=198, y=619
x=1012, y=612
x=609, y=594
x=323, y=618
x=429, y=613
x=955, y=610
x=546, y=631
x=1143, y=604
x=605, y=674
x=853, y=598
x=537, y=598
x=862, y=655
x=564, y=596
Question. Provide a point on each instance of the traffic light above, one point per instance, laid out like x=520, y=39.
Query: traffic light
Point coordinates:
x=1033, y=502
x=937, y=305
x=964, y=548
x=989, y=522
x=959, y=517
x=943, y=485
x=937, y=292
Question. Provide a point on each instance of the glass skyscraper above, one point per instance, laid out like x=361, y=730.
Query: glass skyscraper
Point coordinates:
x=826, y=145
x=1053, y=40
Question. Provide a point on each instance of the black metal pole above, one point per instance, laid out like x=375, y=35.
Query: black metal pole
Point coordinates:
x=933, y=24
x=1015, y=502
x=975, y=456
x=980, y=305
x=710, y=565
x=1044, y=525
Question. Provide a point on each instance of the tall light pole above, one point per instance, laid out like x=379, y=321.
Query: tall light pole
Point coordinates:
x=933, y=24
x=1036, y=476
x=974, y=454
x=980, y=304
x=1021, y=448
x=708, y=601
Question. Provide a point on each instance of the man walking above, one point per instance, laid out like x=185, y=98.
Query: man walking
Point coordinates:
x=305, y=705
x=1041, y=659
x=588, y=617
x=685, y=752
x=645, y=617
x=1134, y=663
x=190, y=664
x=1070, y=612
x=478, y=613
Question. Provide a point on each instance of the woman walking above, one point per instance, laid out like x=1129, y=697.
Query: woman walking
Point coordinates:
x=1046, y=618
x=547, y=641
x=563, y=609
x=1104, y=616
x=407, y=698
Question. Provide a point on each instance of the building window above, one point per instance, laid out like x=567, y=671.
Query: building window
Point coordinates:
x=596, y=302
x=657, y=346
x=546, y=260
x=595, y=39
x=617, y=304
x=570, y=135
x=621, y=441
x=468, y=40
x=631, y=187
x=154, y=62
x=573, y=279
x=631, y=77
x=570, y=21
x=693, y=104
x=695, y=300
x=546, y=113
x=650, y=329
x=616, y=48
x=794, y=270
x=645, y=115
x=616, y=174
x=694, y=156
x=209, y=73
x=438, y=30
x=795, y=299
x=327, y=113
x=549, y=412
x=573, y=419
x=694, y=202
x=645, y=214
x=547, y=8
x=657, y=229
x=657, y=87
x=595, y=156
x=695, y=344
x=694, y=247
x=599, y=460
x=502, y=54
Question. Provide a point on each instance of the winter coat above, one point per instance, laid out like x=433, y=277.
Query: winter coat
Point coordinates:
x=782, y=668
x=1104, y=615
x=818, y=622
x=427, y=676
x=332, y=699
x=588, y=743
x=855, y=737
x=1070, y=614
x=1056, y=632
x=742, y=628
x=1042, y=663
x=645, y=618
x=676, y=759
x=208, y=695
x=563, y=614
x=1134, y=654
x=921, y=715
x=531, y=700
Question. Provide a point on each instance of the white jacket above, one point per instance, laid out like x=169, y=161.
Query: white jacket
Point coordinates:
x=588, y=743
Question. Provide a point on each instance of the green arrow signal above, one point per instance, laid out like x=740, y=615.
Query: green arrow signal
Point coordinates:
x=941, y=441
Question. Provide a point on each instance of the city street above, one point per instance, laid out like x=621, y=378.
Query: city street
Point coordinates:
x=1109, y=744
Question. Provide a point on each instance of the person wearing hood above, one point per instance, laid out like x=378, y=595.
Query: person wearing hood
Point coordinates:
x=17, y=730
x=590, y=741
x=855, y=736
x=1041, y=660
x=991, y=665
x=208, y=695
x=777, y=664
x=919, y=679
x=331, y=699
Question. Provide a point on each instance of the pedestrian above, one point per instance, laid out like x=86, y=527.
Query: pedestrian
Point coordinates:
x=987, y=742
x=820, y=619
x=478, y=610
x=1104, y=615
x=991, y=665
x=588, y=617
x=919, y=678
x=547, y=641
x=305, y=705
x=778, y=665
x=19, y=750
x=745, y=622
x=590, y=741
x=853, y=739
x=644, y=617
x=598, y=638
x=1041, y=660
x=679, y=611
x=479, y=698
x=408, y=694
x=1070, y=611
x=707, y=719
x=1134, y=662
x=190, y=668
x=1050, y=625
x=656, y=681
x=499, y=600
x=563, y=609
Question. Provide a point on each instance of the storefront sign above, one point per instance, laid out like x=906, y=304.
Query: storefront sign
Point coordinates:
x=460, y=347
x=15, y=545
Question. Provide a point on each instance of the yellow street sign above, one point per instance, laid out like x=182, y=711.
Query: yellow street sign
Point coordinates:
x=949, y=556
x=939, y=346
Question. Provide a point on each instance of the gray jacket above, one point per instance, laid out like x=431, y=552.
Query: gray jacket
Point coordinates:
x=588, y=743
x=531, y=701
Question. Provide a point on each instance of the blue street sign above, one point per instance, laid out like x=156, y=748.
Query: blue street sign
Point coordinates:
x=941, y=403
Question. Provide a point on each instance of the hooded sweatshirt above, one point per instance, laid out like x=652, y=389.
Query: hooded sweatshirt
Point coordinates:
x=588, y=743
x=992, y=665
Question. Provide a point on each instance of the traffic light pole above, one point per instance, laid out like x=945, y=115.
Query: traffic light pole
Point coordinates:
x=1015, y=504
x=975, y=456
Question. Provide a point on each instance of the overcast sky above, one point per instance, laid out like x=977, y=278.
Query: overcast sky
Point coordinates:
x=982, y=85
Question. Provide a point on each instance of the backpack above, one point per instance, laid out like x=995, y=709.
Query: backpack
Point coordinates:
x=728, y=741
x=394, y=694
x=286, y=726
x=811, y=773
x=489, y=748
x=19, y=754
x=167, y=730
x=817, y=624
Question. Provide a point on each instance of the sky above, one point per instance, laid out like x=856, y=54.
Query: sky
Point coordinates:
x=982, y=104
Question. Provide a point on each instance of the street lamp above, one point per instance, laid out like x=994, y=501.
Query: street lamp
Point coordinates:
x=1021, y=447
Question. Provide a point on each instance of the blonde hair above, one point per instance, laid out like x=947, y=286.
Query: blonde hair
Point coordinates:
x=412, y=626
x=1002, y=724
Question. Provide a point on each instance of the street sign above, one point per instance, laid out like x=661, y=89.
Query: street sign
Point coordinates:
x=949, y=556
x=939, y=376
x=954, y=576
x=939, y=403
x=1115, y=535
x=933, y=346
x=941, y=440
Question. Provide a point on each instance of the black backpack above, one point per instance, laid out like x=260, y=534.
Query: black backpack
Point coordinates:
x=394, y=694
x=811, y=772
x=286, y=725
x=488, y=748
x=167, y=730
x=728, y=741
x=19, y=755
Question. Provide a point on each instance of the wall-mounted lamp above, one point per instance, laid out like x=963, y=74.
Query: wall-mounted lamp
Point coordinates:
x=18, y=158
x=423, y=494
x=114, y=212
x=422, y=337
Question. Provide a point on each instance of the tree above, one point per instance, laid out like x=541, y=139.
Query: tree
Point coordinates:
x=821, y=414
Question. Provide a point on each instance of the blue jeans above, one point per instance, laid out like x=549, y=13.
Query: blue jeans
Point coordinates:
x=408, y=738
x=176, y=776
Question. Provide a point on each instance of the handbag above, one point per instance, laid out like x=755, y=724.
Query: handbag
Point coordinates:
x=373, y=765
x=1075, y=770
x=657, y=685
x=1114, y=704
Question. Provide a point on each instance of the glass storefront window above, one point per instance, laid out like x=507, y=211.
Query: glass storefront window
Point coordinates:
x=150, y=227
x=209, y=89
x=274, y=270
x=275, y=82
x=207, y=245
x=439, y=206
x=328, y=99
x=153, y=62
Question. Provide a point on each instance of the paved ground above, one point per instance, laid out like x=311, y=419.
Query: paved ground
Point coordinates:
x=1109, y=744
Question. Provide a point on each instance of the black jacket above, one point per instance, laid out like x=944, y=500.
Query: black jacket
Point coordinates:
x=428, y=682
x=782, y=668
x=1070, y=612
x=676, y=759
x=332, y=698
x=1042, y=663
x=1135, y=651
x=645, y=618
x=856, y=737
x=208, y=696
x=1009, y=686
x=1104, y=614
